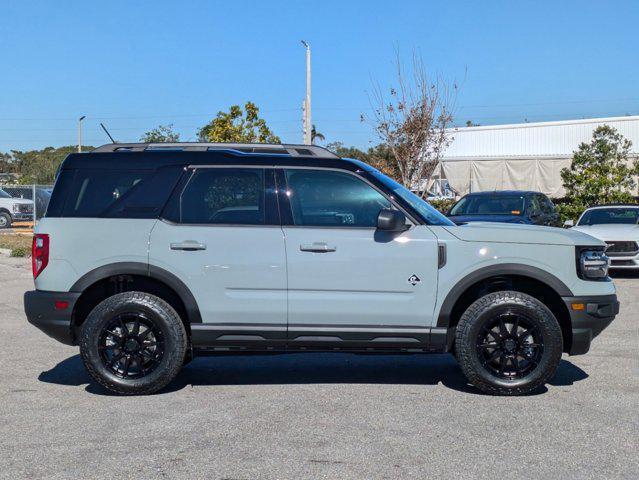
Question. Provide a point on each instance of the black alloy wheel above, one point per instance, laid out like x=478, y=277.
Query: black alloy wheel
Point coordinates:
x=510, y=345
x=131, y=345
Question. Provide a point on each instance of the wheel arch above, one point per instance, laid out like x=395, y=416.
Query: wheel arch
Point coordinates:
x=533, y=281
x=114, y=278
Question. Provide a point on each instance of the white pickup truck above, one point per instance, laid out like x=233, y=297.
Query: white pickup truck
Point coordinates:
x=14, y=209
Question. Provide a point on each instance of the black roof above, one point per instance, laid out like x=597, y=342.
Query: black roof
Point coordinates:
x=145, y=156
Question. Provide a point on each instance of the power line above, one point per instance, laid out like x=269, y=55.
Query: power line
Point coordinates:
x=329, y=108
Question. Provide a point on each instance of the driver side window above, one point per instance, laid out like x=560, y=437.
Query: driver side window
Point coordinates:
x=232, y=196
x=329, y=198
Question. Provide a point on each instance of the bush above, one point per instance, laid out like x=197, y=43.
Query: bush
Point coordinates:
x=443, y=205
x=600, y=172
x=21, y=252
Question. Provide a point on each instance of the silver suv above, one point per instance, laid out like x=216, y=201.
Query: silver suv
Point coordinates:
x=150, y=254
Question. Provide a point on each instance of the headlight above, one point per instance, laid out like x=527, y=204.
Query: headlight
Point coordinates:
x=16, y=208
x=593, y=264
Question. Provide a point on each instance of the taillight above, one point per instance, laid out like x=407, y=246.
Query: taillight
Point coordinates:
x=39, y=253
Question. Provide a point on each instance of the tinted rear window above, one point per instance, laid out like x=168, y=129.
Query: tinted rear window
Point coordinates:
x=222, y=196
x=112, y=193
x=489, y=205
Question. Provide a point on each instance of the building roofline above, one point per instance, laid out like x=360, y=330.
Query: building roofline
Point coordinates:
x=469, y=158
x=628, y=118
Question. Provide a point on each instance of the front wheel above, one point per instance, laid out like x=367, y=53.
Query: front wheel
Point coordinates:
x=5, y=220
x=133, y=343
x=508, y=343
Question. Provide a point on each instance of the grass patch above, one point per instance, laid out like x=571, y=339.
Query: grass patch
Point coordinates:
x=20, y=245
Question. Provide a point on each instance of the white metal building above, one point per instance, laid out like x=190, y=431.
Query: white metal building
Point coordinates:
x=527, y=156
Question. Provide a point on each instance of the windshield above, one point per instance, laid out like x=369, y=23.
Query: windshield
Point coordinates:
x=489, y=205
x=427, y=212
x=4, y=194
x=598, y=216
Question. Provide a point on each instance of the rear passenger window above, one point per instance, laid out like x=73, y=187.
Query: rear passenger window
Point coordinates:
x=223, y=196
x=95, y=191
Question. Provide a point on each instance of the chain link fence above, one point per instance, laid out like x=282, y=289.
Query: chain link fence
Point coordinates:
x=23, y=204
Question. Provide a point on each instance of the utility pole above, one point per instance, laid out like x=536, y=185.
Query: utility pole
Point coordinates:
x=80, y=133
x=308, y=125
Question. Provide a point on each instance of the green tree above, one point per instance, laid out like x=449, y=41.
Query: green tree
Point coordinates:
x=315, y=135
x=161, y=134
x=238, y=126
x=600, y=172
x=40, y=166
x=6, y=163
x=379, y=157
x=340, y=150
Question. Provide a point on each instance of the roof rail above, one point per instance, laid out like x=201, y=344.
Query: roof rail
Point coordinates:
x=244, y=148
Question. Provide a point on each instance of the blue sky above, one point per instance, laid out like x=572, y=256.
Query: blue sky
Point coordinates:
x=134, y=65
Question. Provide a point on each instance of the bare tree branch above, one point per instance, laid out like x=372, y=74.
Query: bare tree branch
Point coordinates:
x=411, y=120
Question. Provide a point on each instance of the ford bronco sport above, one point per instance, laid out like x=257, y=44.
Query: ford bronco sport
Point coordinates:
x=150, y=254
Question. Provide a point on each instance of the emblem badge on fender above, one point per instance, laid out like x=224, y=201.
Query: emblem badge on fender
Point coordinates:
x=413, y=280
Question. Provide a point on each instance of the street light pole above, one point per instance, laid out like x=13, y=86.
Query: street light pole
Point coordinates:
x=80, y=133
x=308, y=125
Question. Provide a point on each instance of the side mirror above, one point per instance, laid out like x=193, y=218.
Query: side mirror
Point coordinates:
x=391, y=220
x=569, y=223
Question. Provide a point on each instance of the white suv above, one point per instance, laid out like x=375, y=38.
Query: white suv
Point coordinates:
x=618, y=226
x=152, y=253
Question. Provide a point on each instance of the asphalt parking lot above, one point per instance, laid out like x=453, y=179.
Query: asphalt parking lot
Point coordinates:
x=314, y=416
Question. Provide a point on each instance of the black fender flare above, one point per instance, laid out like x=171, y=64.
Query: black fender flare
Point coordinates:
x=146, y=270
x=443, y=319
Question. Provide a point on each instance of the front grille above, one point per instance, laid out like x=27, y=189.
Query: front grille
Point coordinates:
x=622, y=263
x=622, y=248
x=25, y=208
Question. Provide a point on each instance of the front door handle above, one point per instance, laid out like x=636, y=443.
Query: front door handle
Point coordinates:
x=317, y=247
x=188, y=245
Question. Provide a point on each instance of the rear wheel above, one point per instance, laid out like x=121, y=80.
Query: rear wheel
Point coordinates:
x=508, y=343
x=133, y=343
x=5, y=220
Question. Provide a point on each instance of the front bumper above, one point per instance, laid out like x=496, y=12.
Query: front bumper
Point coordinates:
x=41, y=311
x=624, y=261
x=597, y=313
x=21, y=216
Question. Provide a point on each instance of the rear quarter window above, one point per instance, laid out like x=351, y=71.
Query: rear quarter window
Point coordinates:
x=112, y=193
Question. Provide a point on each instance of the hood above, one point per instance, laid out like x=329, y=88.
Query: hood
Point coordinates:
x=610, y=231
x=13, y=200
x=525, y=234
x=488, y=218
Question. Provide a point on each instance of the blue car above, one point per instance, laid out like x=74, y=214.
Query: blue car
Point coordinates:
x=508, y=206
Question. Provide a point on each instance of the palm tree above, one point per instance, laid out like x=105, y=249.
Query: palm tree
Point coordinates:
x=315, y=134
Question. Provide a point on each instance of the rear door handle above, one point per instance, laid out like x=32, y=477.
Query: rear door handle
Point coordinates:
x=317, y=247
x=188, y=245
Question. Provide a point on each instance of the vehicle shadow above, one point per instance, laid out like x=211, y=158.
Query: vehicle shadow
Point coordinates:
x=309, y=368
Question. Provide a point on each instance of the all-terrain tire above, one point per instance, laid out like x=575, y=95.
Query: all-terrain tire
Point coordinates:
x=472, y=326
x=155, y=311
